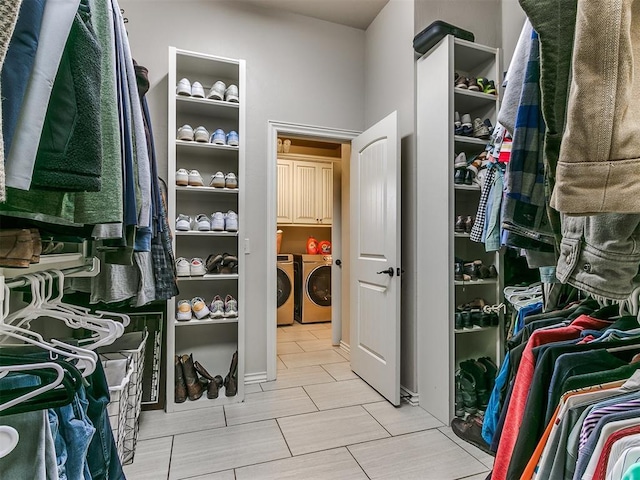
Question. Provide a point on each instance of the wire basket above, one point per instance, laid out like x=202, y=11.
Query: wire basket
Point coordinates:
x=129, y=347
x=118, y=373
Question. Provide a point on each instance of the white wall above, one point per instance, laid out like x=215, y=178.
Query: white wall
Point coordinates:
x=299, y=70
x=512, y=20
x=389, y=86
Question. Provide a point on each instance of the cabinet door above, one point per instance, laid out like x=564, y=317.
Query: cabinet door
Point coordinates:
x=325, y=193
x=285, y=191
x=305, y=193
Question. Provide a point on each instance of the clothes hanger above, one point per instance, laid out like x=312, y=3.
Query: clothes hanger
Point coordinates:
x=4, y=370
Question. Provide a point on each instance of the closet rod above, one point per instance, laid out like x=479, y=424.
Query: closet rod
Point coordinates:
x=89, y=267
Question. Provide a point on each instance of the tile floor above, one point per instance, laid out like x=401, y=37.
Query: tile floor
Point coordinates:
x=318, y=420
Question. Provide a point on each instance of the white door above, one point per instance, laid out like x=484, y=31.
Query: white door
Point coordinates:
x=375, y=257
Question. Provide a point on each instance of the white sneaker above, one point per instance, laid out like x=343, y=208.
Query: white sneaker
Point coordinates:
x=183, y=268
x=201, y=134
x=233, y=139
x=217, y=222
x=230, y=180
x=197, y=267
x=183, y=312
x=217, y=180
x=202, y=223
x=182, y=177
x=460, y=161
x=230, y=307
x=217, y=91
x=231, y=94
x=197, y=90
x=184, y=87
x=231, y=221
x=199, y=307
x=216, y=309
x=195, y=179
x=183, y=222
x=185, y=132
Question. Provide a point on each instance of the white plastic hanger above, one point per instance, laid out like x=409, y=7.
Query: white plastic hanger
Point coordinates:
x=4, y=370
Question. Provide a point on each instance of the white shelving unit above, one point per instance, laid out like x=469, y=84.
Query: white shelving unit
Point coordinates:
x=211, y=341
x=441, y=347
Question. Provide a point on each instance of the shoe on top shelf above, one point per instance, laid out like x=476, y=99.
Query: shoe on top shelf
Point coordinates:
x=183, y=312
x=218, y=137
x=196, y=90
x=185, y=133
x=461, y=82
x=202, y=223
x=217, y=180
x=231, y=221
x=183, y=222
x=201, y=135
x=230, y=180
x=217, y=222
x=473, y=85
x=183, y=267
x=230, y=307
x=197, y=268
x=217, y=91
x=182, y=177
x=233, y=139
x=195, y=179
x=184, y=87
x=231, y=94
x=216, y=309
x=490, y=88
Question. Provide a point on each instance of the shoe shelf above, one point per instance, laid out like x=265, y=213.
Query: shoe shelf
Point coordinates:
x=214, y=344
x=232, y=191
x=461, y=139
x=437, y=101
x=210, y=276
x=190, y=233
x=203, y=106
x=206, y=321
x=213, y=146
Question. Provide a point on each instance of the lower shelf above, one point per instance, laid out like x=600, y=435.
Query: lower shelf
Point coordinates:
x=475, y=329
x=204, y=402
x=205, y=321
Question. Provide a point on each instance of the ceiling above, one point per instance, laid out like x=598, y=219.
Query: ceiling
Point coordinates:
x=352, y=13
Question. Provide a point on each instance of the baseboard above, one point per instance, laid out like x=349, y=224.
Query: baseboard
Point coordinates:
x=258, y=377
x=345, y=346
x=410, y=397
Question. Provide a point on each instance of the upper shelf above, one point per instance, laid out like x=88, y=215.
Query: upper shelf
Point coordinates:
x=470, y=56
x=467, y=100
x=204, y=106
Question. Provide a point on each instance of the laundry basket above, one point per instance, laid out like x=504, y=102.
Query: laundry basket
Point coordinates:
x=118, y=373
x=131, y=347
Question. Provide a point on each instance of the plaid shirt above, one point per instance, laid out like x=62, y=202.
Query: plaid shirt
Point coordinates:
x=525, y=216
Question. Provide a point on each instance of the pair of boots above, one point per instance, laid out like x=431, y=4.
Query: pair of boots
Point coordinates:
x=187, y=382
x=474, y=384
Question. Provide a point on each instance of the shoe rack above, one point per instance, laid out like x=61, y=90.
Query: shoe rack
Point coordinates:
x=442, y=201
x=211, y=341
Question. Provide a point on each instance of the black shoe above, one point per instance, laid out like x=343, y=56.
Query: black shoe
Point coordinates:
x=467, y=321
x=492, y=371
x=478, y=372
x=459, y=226
x=460, y=176
x=468, y=392
x=458, y=323
x=459, y=409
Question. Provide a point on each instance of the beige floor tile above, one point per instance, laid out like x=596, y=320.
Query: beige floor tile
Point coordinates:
x=338, y=464
x=313, y=432
x=309, y=327
x=314, y=345
x=342, y=394
x=427, y=455
x=295, y=360
x=227, y=475
x=295, y=335
x=266, y=405
x=280, y=365
x=480, y=476
x=340, y=371
x=322, y=333
x=344, y=353
x=252, y=388
x=483, y=457
x=151, y=459
x=157, y=423
x=403, y=419
x=225, y=448
x=298, y=377
x=290, y=347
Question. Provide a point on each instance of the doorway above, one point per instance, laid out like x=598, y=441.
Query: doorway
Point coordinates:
x=309, y=138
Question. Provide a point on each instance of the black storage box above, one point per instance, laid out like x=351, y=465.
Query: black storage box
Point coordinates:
x=435, y=32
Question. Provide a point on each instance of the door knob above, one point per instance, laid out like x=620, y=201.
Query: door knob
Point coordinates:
x=388, y=271
x=339, y=262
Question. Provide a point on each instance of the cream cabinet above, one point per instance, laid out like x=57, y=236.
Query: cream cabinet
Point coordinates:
x=305, y=192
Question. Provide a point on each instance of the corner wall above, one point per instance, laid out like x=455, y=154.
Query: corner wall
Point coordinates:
x=299, y=70
x=389, y=85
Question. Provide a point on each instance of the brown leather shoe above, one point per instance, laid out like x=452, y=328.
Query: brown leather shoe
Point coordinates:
x=231, y=380
x=181, y=387
x=470, y=430
x=37, y=245
x=194, y=387
x=16, y=248
x=214, y=382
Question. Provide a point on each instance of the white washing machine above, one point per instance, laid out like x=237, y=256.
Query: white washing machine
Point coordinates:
x=314, y=295
x=285, y=282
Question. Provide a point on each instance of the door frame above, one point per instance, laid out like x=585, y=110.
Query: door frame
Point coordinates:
x=275, y=129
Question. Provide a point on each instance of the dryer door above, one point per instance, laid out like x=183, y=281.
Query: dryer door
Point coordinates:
x=319, y=286
x=284, y=287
